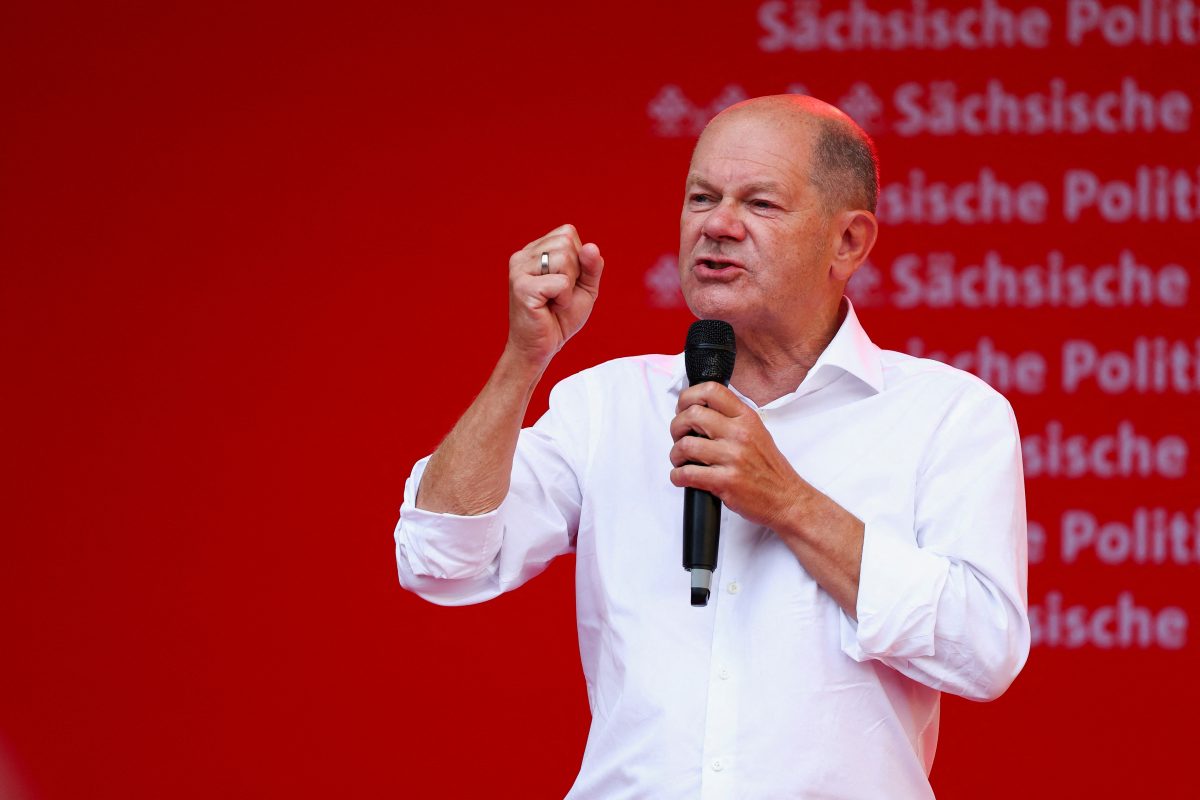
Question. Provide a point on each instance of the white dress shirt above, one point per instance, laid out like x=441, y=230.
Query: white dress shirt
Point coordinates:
x=771, y=691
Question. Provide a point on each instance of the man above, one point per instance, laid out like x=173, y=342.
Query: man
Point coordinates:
x=873, y=542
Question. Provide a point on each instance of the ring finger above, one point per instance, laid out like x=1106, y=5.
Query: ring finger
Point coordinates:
x=553, y=260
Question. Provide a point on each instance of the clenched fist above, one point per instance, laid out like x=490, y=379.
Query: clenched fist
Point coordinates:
x=547, y=307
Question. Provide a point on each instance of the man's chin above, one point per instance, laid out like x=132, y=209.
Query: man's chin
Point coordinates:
x=706, y=304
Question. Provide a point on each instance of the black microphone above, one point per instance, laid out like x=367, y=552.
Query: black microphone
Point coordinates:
x=708, y=355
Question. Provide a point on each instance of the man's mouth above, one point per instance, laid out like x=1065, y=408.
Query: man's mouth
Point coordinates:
x=716, y=263
x=716, y=270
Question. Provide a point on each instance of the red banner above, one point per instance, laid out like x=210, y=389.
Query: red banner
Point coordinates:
x=254, y=267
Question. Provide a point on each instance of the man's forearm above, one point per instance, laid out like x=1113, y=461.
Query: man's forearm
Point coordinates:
x=469, y=473
x=828, y=541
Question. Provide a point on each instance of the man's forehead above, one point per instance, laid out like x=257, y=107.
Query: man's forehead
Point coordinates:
x=760, y=156
x=752, y=130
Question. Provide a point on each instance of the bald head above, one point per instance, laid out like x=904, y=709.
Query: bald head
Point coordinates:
x=841, y=158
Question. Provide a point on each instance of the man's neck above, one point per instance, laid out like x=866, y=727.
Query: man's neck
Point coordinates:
x=768, y=367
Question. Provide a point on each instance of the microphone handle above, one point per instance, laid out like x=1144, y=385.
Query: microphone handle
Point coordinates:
x=701, y=537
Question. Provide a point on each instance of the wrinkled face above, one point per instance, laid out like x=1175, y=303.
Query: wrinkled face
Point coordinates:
x=755, y=243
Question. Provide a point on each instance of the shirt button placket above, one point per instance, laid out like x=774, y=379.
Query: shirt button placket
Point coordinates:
x=721, y=723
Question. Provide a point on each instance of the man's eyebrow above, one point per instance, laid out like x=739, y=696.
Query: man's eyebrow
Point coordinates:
x=757, y=187
x=763, y=187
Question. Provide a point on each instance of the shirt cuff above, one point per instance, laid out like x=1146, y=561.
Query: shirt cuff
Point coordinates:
x=446, y=545
x=898, y=590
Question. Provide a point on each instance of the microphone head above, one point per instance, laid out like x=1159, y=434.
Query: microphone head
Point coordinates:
x=709, y=351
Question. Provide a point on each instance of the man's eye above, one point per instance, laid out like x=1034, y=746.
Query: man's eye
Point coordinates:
x=762, y=204
x=701, y=198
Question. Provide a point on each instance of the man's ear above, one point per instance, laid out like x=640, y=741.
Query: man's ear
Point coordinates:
x=859, y=230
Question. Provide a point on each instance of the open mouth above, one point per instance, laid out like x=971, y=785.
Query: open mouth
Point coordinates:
x=712, y=263
x=716, y=270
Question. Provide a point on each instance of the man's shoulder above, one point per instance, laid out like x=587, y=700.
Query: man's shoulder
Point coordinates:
x=627, y=384
x=654, y=368
x=903, y=372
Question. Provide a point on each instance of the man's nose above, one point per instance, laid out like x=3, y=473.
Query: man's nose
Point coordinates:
x=724, y=222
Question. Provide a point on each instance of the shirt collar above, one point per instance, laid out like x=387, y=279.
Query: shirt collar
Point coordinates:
x=850, y=351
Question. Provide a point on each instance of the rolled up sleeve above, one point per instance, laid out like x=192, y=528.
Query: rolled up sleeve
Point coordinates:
x=451, y=559
x=944, y=600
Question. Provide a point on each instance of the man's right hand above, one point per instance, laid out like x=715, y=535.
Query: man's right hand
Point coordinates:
x=544, y=311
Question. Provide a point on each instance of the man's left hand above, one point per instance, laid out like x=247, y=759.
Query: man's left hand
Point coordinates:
x=734, y=457
x=739, y=463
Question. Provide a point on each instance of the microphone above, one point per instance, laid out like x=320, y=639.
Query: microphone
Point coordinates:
x=708, y=355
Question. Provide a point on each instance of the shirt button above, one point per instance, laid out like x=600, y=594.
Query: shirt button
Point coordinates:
x=723, y=674
x=717, y=765
x=733, y=587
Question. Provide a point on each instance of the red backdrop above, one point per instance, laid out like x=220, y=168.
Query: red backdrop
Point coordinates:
x=254, y=262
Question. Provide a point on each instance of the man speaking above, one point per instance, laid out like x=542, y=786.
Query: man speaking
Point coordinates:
x=872, y=541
